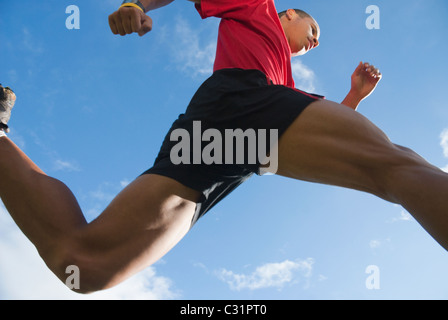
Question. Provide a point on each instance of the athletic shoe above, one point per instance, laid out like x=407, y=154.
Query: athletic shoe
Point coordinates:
x=7, y=100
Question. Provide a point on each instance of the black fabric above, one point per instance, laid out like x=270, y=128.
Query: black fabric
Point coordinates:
x=229, y=99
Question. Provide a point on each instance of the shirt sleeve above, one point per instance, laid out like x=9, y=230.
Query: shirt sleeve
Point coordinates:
x=228, y=9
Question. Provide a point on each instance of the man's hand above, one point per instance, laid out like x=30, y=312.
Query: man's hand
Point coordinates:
x=364, y=81
x=127, y=20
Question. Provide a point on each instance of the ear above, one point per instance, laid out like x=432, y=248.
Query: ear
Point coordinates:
x=290, y=13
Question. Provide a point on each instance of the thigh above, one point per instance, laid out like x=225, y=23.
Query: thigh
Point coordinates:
x=333, y=144
x=140, y=225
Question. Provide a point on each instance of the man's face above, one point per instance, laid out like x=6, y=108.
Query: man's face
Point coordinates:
x=302, y=33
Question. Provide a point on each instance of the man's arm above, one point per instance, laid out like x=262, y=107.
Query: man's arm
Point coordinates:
x=155, y=4
x=351, y=101
x=364, y=81
x=128, y=20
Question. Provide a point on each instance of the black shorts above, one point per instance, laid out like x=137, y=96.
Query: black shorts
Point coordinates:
x=230, y=99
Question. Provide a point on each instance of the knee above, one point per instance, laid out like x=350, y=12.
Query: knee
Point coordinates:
x=393, y=166
x=405, y=160
x=79, y=270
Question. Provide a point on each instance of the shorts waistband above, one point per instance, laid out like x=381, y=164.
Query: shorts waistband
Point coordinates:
x=253, y=74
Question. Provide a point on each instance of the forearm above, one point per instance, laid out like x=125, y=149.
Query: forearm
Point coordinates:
x=155, y=4
x=351, y=100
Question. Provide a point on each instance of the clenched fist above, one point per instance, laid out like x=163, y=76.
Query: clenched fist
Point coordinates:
x=128, y=20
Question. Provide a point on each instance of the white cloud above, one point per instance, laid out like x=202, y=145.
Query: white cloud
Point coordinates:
x=18, y=139
x=61, y=165
x=444, y=145
x=304, y=77
x=270, y=275
x=192, y=56
x=147, y=285
x=376, y=243
x=30, y=43
x=404, y=216
x=124, y=183
x=23, y=274
x=13, y=75
x=57, y=164
x=105, y=193
x=94, y=202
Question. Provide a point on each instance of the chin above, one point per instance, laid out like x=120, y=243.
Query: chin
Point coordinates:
x=300, y=53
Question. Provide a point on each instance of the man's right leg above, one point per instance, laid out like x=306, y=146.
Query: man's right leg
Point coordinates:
x=332, y=144
x=140, y=225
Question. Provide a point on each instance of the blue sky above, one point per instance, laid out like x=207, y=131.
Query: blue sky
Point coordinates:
x=93, y=109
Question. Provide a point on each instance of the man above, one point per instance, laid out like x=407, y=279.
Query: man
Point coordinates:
x=251, y=87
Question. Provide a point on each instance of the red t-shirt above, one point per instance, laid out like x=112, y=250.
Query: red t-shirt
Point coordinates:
x=250, y=37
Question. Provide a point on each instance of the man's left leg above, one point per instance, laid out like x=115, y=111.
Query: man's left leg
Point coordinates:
x=142, y=223
x=332, y=144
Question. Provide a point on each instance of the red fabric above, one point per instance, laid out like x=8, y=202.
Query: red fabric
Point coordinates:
x=250, y=37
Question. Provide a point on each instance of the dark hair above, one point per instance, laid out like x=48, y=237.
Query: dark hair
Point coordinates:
x=301, y=13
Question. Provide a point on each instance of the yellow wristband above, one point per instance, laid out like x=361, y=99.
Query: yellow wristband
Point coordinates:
x=132, y=5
